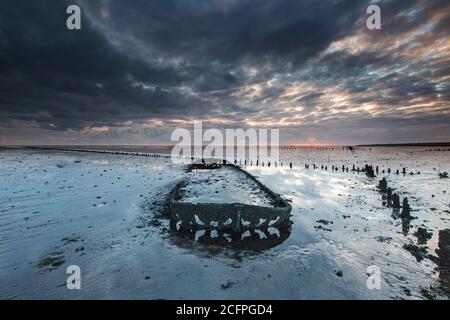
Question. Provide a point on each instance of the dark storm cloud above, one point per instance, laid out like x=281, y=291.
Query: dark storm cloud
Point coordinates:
x=69, y=79
x=141, y=67
x=229, y=31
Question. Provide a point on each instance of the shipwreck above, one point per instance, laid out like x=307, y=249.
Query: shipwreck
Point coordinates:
x=226, y=198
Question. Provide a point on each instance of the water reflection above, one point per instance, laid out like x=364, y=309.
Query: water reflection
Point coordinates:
x=444, y=260
x=303, y=188
x=253, y=241
x=406, y=225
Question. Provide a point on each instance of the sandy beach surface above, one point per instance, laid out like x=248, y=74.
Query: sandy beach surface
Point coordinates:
x=103, y=212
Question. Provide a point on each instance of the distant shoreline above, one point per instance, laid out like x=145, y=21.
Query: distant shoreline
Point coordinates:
x=413, y=144
x=421, y=144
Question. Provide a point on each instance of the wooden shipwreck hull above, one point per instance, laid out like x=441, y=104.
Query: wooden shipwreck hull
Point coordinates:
x=233, y=217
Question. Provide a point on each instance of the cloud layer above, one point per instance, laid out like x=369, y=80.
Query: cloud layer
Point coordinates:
x=140, y=68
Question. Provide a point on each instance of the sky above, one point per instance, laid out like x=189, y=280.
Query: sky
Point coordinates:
x=139, y=69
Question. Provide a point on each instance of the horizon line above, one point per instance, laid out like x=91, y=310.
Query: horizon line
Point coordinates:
x=295, y=145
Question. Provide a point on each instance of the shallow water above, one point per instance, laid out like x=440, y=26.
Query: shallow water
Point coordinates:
x=102, y=212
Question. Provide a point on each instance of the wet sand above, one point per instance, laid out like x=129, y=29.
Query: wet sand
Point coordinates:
x=104, y=212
